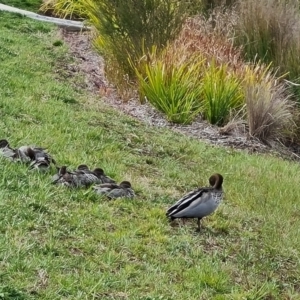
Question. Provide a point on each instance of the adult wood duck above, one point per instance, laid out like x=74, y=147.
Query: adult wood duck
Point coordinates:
x=199, y=203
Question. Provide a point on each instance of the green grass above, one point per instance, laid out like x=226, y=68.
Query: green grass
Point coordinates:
x=173, y=88
x=62, y=244
x=32, y=5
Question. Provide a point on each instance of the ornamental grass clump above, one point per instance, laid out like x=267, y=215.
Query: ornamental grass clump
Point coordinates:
x=124, y=29
x=171, y=82
x=268, y=30
x=222, y=93
x=67, y=9
x=269, y=108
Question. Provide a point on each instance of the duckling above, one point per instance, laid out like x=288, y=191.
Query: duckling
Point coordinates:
x=81, y=177
x=113, y=190
x=98, y=172
x=63, y=174
x=83, y=167
x=199, y=203
x=60, y=172
x=41, y=164
x=102, y=176
x=36, y=156
x=88, y=177
x=65, y=177
x=6, y=151
x=40, y=160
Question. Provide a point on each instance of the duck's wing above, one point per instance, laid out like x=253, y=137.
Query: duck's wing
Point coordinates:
x=130, y=193
x=105, y=188
x=87, y=178
x=22, y=156
x=70, y=179
x=120, y=192
x=8, y=152
x=55, y=178
x=180, y=201
x=107, y=179
x=116, y=193
x=187, y=200
x=40, y=164
x=40, y=153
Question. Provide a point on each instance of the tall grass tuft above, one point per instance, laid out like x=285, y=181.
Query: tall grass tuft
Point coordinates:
x=171, y=82
x=209, y=5
x=269, y=30
x=126, y=28
x=221, y=93
x=269, y=108
x=212, y=38
x=67, y=9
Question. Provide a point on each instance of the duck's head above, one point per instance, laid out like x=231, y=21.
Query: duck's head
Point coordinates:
x=216, y=180
x=4, y=143
x=99, y=172
x=31, y=154
x=63, y=170
x=125, y=185
x=83, y=167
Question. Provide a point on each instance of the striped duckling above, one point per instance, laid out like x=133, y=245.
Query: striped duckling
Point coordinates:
x=37, y=157
x=98, y=171
x=81, y=177
x=113, y=191
x=40, y=159
x=6, y=151
x=199, y=203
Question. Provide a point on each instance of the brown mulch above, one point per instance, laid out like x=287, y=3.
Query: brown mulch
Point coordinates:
x=91, y=65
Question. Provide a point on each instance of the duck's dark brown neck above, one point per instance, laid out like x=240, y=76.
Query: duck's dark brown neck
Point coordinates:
x=216, y=181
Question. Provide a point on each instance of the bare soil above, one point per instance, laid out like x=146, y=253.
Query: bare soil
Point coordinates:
x=91, y=64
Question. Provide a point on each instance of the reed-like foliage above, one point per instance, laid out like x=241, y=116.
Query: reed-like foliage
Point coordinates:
x=221, y=93
x=173, y=86
x=67, y=9
x=269, y=109
x=269, y=30
x=126, y=28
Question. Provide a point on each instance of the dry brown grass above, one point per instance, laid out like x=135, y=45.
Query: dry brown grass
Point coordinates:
x=211, y=38
x=269, y=30
x=269, y=108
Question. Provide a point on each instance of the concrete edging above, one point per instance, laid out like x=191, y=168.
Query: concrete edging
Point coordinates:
x=67, y=24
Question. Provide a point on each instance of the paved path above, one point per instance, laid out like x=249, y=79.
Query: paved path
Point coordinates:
x=67, y=24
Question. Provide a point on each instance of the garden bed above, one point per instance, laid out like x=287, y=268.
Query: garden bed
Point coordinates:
x=234, y=136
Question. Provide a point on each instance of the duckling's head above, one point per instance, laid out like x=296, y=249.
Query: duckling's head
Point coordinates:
x=216, y=180
x=63, y=170
x=83, y=167
x=98, y=172
x=4, y=143
x=30, y=153
x=125, y=185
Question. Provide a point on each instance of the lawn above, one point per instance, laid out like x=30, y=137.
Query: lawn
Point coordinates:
x=32, y=5
x=57, y=243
